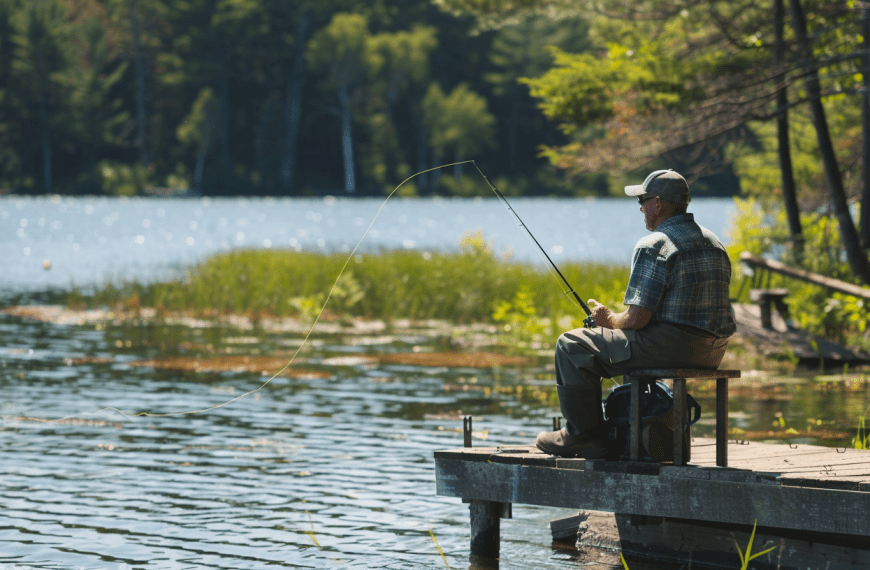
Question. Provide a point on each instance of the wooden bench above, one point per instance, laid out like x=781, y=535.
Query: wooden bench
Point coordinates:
x=638, y=378
x=767, y=297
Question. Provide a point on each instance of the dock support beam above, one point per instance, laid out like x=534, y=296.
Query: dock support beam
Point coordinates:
x=722, y=422
x=486, y=526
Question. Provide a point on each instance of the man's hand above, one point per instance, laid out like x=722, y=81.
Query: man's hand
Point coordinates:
x=600, y=314
x=632, y=318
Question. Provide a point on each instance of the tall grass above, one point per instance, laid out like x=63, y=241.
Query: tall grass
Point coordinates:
x=464, y=287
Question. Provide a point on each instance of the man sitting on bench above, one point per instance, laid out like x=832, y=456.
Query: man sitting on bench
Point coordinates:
x=679, y=315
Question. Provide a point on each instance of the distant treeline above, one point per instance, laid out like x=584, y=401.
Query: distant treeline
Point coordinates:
x=275, y=97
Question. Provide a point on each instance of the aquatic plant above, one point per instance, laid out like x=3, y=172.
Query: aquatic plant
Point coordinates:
x=861, y=439
x=520, y=319
x=464, y=287
x=745, y=558
x=441, y=552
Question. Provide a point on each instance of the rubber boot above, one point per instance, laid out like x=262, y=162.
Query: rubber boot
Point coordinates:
x=581, y=437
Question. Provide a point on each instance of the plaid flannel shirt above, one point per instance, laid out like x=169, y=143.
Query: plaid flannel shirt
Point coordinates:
x=681, y=273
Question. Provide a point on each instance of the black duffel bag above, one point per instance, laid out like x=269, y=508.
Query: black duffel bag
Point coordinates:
x=656, y=420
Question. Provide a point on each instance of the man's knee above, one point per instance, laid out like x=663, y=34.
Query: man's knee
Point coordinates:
x=575, y=359
x=568, y=346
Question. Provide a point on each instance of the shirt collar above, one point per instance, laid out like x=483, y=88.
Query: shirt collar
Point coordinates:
x=676, y=220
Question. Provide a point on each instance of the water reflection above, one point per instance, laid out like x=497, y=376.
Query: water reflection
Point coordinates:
x=330, y=465
x=331, y=469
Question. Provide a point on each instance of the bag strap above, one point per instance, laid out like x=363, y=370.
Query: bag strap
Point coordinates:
x=695, y=407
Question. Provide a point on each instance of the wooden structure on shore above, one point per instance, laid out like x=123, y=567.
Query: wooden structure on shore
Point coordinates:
x=813, y=502
x=765, y=324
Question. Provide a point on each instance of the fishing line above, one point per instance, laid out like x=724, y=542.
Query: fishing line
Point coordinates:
x=295, y=354
x=554, y=271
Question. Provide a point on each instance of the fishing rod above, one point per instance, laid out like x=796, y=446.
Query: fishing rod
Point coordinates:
x=588, y=322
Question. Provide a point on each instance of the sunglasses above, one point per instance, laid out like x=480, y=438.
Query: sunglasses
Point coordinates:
x=642, y=200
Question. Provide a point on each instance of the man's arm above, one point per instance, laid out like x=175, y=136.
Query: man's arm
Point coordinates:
x=634, y=317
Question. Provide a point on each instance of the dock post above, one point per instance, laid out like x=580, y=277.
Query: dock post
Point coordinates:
x=722, y=422
x=486, y=527
x=466, y=431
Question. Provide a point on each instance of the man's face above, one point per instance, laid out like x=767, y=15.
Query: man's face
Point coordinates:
x=650, y=206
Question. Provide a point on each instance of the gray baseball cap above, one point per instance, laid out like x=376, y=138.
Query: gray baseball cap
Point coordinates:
x=666, y=184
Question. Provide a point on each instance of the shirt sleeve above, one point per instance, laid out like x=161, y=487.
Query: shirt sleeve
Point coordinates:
x=646, y=284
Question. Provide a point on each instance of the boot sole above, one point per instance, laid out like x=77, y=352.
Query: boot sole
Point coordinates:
x=580, y=453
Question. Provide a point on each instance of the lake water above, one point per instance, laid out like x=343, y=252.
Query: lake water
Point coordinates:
x=328, y=467
x=92, y=240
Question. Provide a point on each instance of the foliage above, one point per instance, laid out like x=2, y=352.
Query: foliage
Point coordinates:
x=231, y=96
x=457, y=122
x=861, y=439
x=841, y=317
x=118, y=179
x=746, y=557
x=519, y=318
x=757, y=163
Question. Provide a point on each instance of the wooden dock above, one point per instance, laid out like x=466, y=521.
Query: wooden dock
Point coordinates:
x=813, y=502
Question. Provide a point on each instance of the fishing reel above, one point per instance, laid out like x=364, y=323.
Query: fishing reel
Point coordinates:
x=589, y=322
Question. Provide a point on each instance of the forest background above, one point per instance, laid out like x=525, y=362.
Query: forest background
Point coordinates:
x=766, y=100
x=558, y=97
x=298, y=98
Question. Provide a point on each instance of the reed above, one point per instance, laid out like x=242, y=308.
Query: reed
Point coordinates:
x=745, y=558
x=861, y=439
x=465, y=287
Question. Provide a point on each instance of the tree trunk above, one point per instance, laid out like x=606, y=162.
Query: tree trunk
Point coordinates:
x=46, y=144
x=857, y=259
x=865, y=107
x=346, y=137
x=422, y=148
x=293, y=105
x=435, y=181
x=141, y=89
x=789, y=193
x=224, y=114
x=514, y=121
x=199, y=169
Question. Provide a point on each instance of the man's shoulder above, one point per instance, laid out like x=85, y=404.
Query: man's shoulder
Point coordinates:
x=655, y=240
x=680, y=234
x=711, y=237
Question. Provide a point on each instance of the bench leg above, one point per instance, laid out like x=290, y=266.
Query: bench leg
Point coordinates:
x=722, y=422
x=634, y=419
x=486, y=527
x=680, y=419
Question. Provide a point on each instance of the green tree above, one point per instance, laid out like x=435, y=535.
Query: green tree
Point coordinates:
x=197, y=130
x=521, y=50
x=134, y=28
x=96, y=111
x=458, y=122
x=235, y=49
x=10, y=159
x=858, y=261
x=694, y=75
x=42, y=52
x=397, y=62
x=340, y=49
